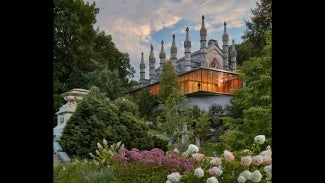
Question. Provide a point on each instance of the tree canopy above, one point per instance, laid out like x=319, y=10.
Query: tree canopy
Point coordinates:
x=81, y=53
x=168, y=81
x=97, y=118
x=251, y=112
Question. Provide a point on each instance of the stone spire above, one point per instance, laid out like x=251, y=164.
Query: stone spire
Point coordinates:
x=225, y=39
x=152, y=62
x=142, y=71
x=233, y=55
x=187, y=46
x=203, y=41
x=162, y=56
x=173, y=52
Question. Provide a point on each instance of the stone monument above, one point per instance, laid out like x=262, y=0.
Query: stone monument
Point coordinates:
x=72, y=97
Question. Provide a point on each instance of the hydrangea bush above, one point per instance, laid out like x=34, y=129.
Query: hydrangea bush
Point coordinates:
x=249, y=165
x=134, y=165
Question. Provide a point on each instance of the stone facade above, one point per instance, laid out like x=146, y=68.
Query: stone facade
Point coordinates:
x=72, y=97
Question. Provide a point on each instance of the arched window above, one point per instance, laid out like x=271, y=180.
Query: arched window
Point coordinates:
x=215, y=64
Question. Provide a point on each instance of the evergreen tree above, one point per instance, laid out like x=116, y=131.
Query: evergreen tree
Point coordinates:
x=252, y=114
x=97, y=118
x=168, y=81
x=145, y=103
x=260, y=23
x=92, y=121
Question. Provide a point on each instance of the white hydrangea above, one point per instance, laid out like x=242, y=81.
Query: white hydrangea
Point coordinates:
x=212, y=180
x=246, y=174
x=246, y=160
x=241, y=179
x=266, y=153
x=192, y=149
x=256, y=176
x=257, y=160
x=260, y=139
x=199, y=172
x=268, y=171
x=174, y=177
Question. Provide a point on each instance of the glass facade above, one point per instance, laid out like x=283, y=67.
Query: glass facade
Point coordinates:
x=203, y=80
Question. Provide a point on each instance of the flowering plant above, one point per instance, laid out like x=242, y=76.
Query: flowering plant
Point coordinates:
x=239, y=166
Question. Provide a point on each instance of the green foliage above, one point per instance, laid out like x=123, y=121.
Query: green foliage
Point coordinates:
x=175, y=116
x=252, y=112
x=124, y=104
x=245, y=50
x=108, y=81
x=81, y=171
x=260, y=23
x=168, y=81
x=145, y=103
x=90, y=123
x=84, y=57
x=137, y=132
x=160, y=143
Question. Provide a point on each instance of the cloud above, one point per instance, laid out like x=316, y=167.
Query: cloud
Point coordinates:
x=132, y=23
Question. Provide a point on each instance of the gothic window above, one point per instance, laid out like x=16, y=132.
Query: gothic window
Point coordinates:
x=214, y=64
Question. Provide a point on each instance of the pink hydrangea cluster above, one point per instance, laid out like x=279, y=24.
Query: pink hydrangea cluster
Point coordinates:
x=156, y=157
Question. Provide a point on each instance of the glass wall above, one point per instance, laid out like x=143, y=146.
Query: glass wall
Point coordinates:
x=209, y=81
x=206, y=80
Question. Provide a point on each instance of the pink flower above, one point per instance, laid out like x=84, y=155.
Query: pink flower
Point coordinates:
x=216, y=161
x=228, y=156
x=246, y=160
x=198, y=156
x=215, y=171
x=257, y=160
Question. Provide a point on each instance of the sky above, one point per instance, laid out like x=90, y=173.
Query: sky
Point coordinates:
x=136, y=24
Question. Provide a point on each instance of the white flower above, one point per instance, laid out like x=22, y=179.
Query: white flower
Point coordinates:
x=266, y=153
x=192, y=148
x=199, y=172
x=257, y=160
x=97, y=152
x=104, y=142
x=168, y=181
x=268, y=171
x=215, y=161
x=246, y=174
x=228, y=155
x=260, y=139
x=99, y=146
x=215, y=171
x=241, y=179
x=212, y=180
x=256, y=176
x=174, y=177
x=246, y=160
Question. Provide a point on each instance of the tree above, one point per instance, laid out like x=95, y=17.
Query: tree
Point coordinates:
x=145, y=103
x=107, y=81
x=200, y=124
x=97, y=118
x=168, y=81
x=80, y=52
x=92, y=121
x=254, y=100
x=260, y=23
x=245, y=50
